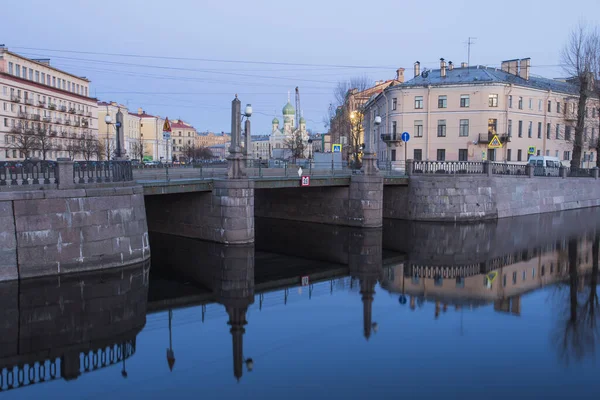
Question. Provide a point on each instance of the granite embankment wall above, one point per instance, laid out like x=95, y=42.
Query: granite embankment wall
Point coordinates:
x=472, y=197
x=50, y=232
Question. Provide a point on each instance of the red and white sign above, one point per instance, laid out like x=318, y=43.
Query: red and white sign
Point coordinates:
x=305, y=281
x=305, y=181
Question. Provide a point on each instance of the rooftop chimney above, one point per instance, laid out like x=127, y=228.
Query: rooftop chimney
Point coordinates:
x=442, y=68
x=510, y=66
x=140, y=111
x=464, y=65
x=450, y=66
x=417, y=69
x=524, y=68
x=400, y=75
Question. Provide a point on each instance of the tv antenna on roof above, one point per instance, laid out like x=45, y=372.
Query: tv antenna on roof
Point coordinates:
x=469, y=43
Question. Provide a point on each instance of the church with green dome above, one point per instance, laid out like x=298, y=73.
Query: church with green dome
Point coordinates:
x=281, y=132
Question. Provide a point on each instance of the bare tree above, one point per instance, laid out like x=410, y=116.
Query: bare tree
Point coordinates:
x=295, y=144
x=90, y=147
x=73, y=148
x=579, y=56
x=44, y=142
x=137, y=149
x=23, y=138
x=340, y=93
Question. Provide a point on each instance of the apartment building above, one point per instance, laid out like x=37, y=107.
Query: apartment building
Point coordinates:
x=260, y=147
x=182, y=135
x=44, y=112
x=207, y=139
x=452, y=113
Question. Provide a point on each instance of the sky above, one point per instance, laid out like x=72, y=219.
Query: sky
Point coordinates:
x=188, y=58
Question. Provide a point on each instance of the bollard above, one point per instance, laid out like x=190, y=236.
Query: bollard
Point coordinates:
x=562, y=172
x=409, y=167
x=595, y=172
x=529, y=170
x=167, y=172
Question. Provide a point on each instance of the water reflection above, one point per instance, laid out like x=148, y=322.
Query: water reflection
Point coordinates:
x=63, y=327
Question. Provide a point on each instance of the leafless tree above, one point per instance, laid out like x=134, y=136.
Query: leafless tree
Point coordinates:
x=90, y=147
x=137, y=149
x=44, y=142
x=73, y=148
x=295, y=144
x=340, y=93
x=23, y=138
x=578, y=57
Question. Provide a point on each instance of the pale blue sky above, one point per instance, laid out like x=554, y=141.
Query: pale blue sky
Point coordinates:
x=384, y=34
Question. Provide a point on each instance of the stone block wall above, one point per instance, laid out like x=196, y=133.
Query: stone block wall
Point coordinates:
x=64, y=231
x=358, y=205
x=475, y=198
x=223, y=215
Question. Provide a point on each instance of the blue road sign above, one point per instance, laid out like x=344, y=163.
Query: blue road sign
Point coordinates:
x=166, y=135
x=405, y=136
x=402, y=299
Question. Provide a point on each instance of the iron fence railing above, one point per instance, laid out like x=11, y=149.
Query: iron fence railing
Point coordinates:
x=508, y=169
x=28, y=172
x=447, y=167
x=102, y=171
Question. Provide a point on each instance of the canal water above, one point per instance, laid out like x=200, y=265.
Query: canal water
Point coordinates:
x=497, y=310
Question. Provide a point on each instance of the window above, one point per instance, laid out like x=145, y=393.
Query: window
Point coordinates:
x=48, y=80
x=533, y=272
x=54, y=81
x=556, y=154
x=529, y=129
x=520, y=128
x=394, y=129
x=10, y=68
x=548, y=130
x=514, y=280
x=547, y=152
x=519, y=155
x=37, y=76
x=18, y=70
x=441, y=154
x=394, y=103
x=557, y=131
x=463, y=129
x=6, y=122
x=549, y=105
x=441, y=129
x=30, y=74
x=508, y=154
x=509, y=128
x=418, y=101
x=510, y=101
x=24, y=72
x=419, y=128
x=418, y=154
x=442, y=101
x=69, y=86
x=493, y=100
x=520, y=103
x=567, y=133
x=460, y=282
x=492, y=126
x=530, y=103
x=558, y=107
x=567, y=156
x=586, y=112
x=539, y=105
x=463, y=155
x=393, y=155
x=464, y=100
x=593, y=112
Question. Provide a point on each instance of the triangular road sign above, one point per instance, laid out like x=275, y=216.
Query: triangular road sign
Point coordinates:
x=495, y=143
x=167, y=125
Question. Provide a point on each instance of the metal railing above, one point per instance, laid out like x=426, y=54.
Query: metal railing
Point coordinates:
x=102, y=171
x=447, y=167
x=579, y=172
x=508, y=169
x=28, y=172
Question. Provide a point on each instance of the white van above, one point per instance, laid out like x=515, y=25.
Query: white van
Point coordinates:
x=545, y=165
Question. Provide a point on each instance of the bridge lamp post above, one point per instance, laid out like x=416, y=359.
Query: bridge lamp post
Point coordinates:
x=118, y=123
x=377, y=122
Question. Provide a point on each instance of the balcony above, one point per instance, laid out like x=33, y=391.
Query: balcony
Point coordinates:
x=47, y=119
x=76, y=123
x=15, y=99
x=42, y=104
x=29, y=101
x=85, y=123
x=22, y=115
x=35, y=117
x=486, y=138
x=67, y=122
x=58, y=121
x=79, y=112
x=571, y=115
x=52, y=106
x=72, y=111
x=63, y=108
x=390, y=138
x=53, y=133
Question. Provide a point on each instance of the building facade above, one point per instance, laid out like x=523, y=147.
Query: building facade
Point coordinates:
x=261, y=147
x=208, y=139
x=281, y=135
x=454, y=113
x=183, y=135
x=45, y=112
x=131, y=140
x=151, y=128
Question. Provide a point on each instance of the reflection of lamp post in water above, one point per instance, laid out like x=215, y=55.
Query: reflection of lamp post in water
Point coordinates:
x=170, y=353
x=123, y=349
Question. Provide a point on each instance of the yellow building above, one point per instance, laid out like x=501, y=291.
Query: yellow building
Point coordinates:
x=207, y=139
x=131, y=140
x=36, y=98
x=453, y=113
x=182, y=135
x=151, y=128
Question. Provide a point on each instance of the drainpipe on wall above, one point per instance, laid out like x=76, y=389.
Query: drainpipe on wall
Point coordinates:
x=510, y=88
x=387, y=125
x=428, y=121
x=545, y=127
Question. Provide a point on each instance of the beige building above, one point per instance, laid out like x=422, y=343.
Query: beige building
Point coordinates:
x=453, y=113
x=182, y=135
x=151, y=128
x=260, y=148
x=131, y=139
x=38, y=99
x=207, y=139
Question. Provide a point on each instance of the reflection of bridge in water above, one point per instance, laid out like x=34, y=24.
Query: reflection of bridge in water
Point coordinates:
x=64, y=327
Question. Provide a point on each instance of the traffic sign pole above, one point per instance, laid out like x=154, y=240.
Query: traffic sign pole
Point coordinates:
x=405, y=138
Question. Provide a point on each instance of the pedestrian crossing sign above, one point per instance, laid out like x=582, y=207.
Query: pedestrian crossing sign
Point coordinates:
x=495, y=143
x=531, y=150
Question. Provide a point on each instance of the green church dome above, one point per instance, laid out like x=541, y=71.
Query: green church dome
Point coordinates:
x=288, y=120
x=288, y=109
x=275, y=121
x=302, y=120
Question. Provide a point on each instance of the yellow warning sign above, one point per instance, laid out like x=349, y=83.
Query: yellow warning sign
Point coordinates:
x=492, y=276
x=495, y=143
x=167, y=125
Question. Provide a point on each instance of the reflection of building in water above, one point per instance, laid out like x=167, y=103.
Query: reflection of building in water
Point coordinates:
x=62, y=327
x=502, y=280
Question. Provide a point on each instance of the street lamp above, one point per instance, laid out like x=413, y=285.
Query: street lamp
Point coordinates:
x=118, y=123
x=377, y=122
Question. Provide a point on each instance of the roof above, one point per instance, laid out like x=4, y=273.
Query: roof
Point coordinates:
x=42, y=64
x=181, y=125
x=486, y=75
